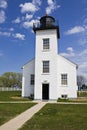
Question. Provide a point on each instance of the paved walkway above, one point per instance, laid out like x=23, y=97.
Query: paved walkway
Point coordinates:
x=18, y=121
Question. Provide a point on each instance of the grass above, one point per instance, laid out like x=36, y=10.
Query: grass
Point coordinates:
x=8, y=111
x=51, y=117
x=82, y=94
x=62, y=100
x=59, y=117
x=11, y=96
x=82, y=98
x=77, y=100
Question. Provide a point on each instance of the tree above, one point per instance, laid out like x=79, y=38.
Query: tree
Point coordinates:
x=80, y=81
x=11, y=79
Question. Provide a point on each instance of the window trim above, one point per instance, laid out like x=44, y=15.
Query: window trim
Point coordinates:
x=46, y=67
x=64, y=96
x=64, y=79
x=32, y=79
x=46, y=44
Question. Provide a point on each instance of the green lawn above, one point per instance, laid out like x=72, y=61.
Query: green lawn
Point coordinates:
x=82, y=94
x=59, y=117
x=78, y=100
x=10, y=110
x=11, y=96
x=82, y=97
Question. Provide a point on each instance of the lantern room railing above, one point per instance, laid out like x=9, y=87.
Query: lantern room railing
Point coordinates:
x=38, y=25
x=48, y=25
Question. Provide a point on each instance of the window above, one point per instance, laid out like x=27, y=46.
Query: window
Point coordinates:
x=45, y=66
x=64, y=79
x=32, y=79
x=45, y=43
x=64, y=96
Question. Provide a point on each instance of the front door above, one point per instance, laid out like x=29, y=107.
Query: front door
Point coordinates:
x=45, y=91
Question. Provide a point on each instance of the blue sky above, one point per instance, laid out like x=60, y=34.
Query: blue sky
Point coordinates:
x=17, y=39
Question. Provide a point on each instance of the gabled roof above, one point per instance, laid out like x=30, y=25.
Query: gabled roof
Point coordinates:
x=64, y=58
x=69, y=61
x=27, y=62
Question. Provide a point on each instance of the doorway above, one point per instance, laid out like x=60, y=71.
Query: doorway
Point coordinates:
x=45, y=91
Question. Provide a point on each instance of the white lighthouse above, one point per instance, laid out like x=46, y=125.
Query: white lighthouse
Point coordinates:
x=49, y=76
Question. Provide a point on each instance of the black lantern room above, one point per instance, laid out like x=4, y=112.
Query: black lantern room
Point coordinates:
x=46, y=22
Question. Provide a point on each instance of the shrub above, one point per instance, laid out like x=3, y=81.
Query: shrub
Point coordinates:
x=62, y=100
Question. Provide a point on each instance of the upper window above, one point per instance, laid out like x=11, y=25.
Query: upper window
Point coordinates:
x=32, y=79
x=45, y=43
x=45, y=66
x=63, y=79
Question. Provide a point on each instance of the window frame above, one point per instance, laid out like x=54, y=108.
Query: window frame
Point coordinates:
x=64, y=79
x=46, y=44
x=32, y=79
x=46, y=65
x=64, y=96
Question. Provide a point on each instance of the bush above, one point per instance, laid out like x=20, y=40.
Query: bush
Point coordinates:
x=82, y=94
x=62, y=100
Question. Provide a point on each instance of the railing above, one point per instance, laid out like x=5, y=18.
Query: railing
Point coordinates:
x=48, y=24
x=36, y=25
x=39, y=26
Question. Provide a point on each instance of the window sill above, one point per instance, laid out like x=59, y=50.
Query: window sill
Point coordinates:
x=45, y=73
x=46, y=50
x=64, y=86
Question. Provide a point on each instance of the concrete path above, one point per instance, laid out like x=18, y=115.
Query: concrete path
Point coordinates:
x=18, y=121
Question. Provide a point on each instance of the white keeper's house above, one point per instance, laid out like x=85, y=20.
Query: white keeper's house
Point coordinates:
x=49, y=75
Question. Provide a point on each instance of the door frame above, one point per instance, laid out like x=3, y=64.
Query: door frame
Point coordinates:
x=45, y=91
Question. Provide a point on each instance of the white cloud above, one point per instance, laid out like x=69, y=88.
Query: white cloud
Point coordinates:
x=80, y=58
x=69, y=53
x=37, y=2
x=85, y=20
x=28, y=16
x=28, y=24
x=84, y=52
x=74, y=30
x=82, y=40
x=84, y=66
x=50, y=2
x=51, y=6
x=70, y=49
x=11, y=29
x=82, y=70
x=17, y=20
x=28, y=7
x=83, y=37
x=5, y=33
x=19, y=36
x=31, y=7
x=2, y=16
x=3, y=4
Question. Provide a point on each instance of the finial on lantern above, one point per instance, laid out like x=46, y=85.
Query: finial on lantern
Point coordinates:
x=46, y=14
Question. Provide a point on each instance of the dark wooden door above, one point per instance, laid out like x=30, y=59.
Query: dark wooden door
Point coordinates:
x=45, y=91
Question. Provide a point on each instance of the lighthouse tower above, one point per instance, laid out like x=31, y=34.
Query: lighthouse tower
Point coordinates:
x=47, y=35
x=49, y=75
